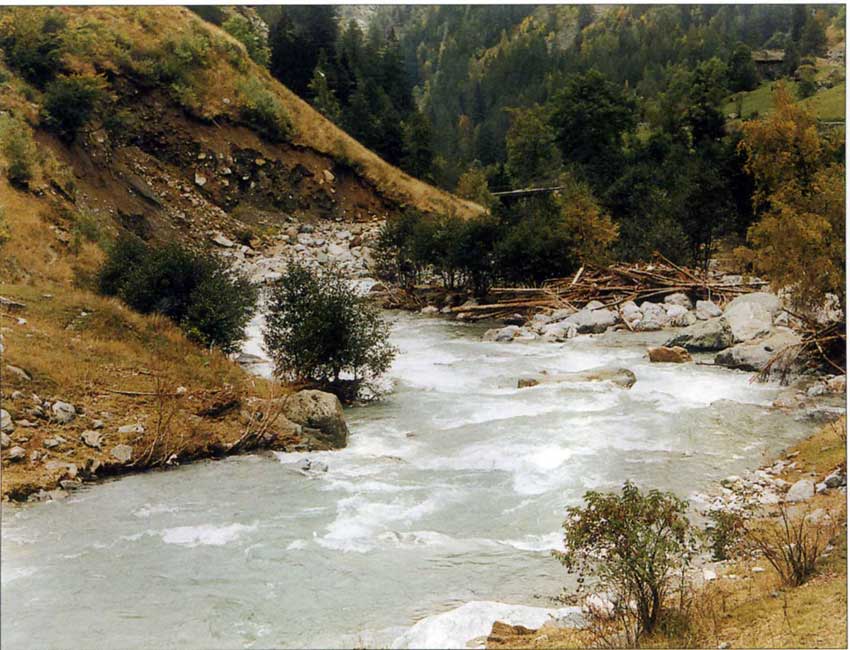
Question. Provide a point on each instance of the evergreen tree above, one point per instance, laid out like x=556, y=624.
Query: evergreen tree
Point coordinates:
x=742, y=71
x=533, y=156
x=296, y=41
x=418, y=157
x=813, y=38
x=322, y=95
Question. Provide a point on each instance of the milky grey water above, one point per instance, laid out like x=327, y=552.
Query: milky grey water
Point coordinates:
x=442, y=511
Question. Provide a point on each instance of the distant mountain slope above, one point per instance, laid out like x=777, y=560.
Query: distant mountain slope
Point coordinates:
x=186, y=135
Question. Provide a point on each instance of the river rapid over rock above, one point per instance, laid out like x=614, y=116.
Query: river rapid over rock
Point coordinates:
x=437, y=519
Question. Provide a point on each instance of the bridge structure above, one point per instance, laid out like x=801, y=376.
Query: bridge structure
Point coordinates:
x=526, y=191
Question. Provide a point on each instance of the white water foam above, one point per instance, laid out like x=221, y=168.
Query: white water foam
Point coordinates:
x=204, y=535
x=457, y=627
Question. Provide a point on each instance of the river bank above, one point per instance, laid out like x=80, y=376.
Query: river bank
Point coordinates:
x=742, y=603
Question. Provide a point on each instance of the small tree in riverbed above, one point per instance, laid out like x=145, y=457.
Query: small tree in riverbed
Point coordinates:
x=319, y=331
x=633, y=545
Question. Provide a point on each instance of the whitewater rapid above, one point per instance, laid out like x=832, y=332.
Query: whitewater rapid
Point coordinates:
x=438, y=518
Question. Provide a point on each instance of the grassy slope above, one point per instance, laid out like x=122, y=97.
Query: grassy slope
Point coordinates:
x=149, y=28
x=753, y=611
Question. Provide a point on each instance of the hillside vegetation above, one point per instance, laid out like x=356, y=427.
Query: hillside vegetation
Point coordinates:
x=154, y=120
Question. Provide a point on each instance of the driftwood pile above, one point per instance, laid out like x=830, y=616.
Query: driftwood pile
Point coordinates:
x=612, y=286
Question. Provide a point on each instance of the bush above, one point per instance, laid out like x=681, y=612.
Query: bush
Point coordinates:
x=251, y=36
x=792, y=542
x=195, y=290
x=70, y=101
x=319, y=331
x=30, y=40
x=633, y=544
x=19, y=150
x=262, y=110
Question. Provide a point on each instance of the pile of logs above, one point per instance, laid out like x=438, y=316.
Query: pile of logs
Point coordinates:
x=612, y=286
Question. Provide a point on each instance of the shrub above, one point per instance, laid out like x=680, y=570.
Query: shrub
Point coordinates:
x=319, y=331
x=5, y=234
x=792, y=542
x=70, y=101
x=197, y=291
x=262, y=110
x=251, y=35
x=30, y=40
x=19, y=150
x=724, y=532
x=633, y=544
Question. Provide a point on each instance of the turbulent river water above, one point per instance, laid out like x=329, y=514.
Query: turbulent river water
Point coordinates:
x=438, y=518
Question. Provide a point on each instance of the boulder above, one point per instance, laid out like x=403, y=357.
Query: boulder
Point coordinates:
x=754, y=355
x=592, y=321
x=558, y=331
x=7, y=424
x=751, y=315
x=17, y=453
x=63, y=412
x=318, y=410
x=836, y=479
x=800, y=491
x=122, y=453
x=630, y=312
x=837, y=384
x=679, y=316
x=679, y=299
x=707, y=309
x=669, y=355
x=619, y=377
x=429, y=310
x=708, y=335
x=5, y=441
x=503, y=334
x=648, y=324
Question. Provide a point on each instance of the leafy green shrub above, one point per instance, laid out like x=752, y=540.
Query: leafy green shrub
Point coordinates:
x=30, y=40
x=633, y=545
x=197, y=291
x=251, y=35
x=5, y=234
x=262, y=110
x=70, y=102
x=19, y=150
x=723, y=532
x=318, y=330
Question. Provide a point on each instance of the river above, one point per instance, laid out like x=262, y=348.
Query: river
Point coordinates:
x=445, y=504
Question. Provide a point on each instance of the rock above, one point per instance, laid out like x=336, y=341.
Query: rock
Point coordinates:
x=593, y=321
x=678, y=299
x=328, y=175
x=837, y=384
x=131, y=428
x=836, y=479
x=71, y=484
x=669, y=355
x=306, y=228
x=318, y=410
x=5, y=441
x=7, y=424
x=502, y=335
x=601, y=605
x=620, y=377
x=707, y=309
x=709, y=335
x=593, y=304
x=630, y=312
x=200, y=179
x=751, y=315
x=558, y=331
x=97, y=424
x=429, y=310
x=63, y=412
x=223, y=241
x=51, y=443
x=91, y=439
x=708, y=575
x=820, y=488
x=17, y=453
x=19, y=372
x=753, y=355
x=122, y=453
x=800, y=491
